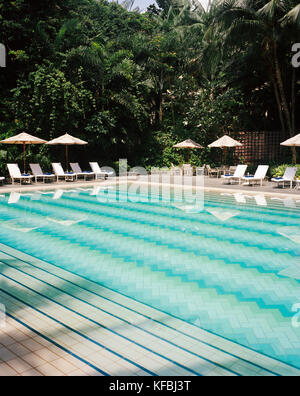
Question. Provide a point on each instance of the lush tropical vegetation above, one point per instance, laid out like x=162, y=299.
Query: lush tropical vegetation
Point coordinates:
x=133, y=84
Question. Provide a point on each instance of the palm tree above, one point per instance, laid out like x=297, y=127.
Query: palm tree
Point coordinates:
x=268, y=23
x=291, y=23
x=129, y=6
x=169, y=38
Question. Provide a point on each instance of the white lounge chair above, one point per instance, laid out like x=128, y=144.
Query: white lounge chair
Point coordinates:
x=259, y=176
x=200, y=171
x=39, y=174
x=211, y=172
x=99, y=172
x=76, y=169
x=288, y=177
x=175, y=170
x=238, y=174
x=187, y=169
x=60, y=173
x=15, y=174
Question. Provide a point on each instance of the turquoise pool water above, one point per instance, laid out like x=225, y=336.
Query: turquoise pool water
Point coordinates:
x=231, y=267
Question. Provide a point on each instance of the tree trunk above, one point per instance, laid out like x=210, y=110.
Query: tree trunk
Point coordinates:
x=161, y=87
x=160, y=116
x=278, y=104
x=283, y=98
x=293, y=100
x=270, y=65
x=293, y=111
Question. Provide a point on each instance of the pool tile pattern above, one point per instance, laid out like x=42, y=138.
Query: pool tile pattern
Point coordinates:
x=223, y=307
x=136, y=340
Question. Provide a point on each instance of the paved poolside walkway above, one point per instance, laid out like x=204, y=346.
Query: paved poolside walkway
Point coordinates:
x=268, y=187
x=212, y=184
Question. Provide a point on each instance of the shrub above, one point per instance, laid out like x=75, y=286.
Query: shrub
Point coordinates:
x=278, y=170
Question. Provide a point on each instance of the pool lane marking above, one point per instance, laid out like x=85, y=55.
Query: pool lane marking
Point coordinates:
x=249, y=348
x=129, y=323
x=58, y=345
x=101, y=326
x=124, y=320
x=159, y=310
x=76, y=331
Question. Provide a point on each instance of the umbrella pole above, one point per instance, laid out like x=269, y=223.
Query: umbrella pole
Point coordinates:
x=294, y=155
x=225, y=155
x=188, y=156
x=67, y=158
x=24, y=157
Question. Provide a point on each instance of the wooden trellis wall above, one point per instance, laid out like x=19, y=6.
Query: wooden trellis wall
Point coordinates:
x=260, y=147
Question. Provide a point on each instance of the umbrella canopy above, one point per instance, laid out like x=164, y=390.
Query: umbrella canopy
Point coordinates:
x=188, y=144
x=293, y=142
x=67, y=140
x=24, y=139
x=225, y=142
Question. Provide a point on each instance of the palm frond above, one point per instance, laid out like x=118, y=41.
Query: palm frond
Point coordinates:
x=292, y=17
x=242, y=30
x=270, y=10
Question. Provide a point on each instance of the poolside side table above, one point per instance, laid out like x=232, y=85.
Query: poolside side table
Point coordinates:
x=88, y=175
x=28, y=180
x=224, y=170
x=200, y=171
x=215, y=171
x=188, y=170
x=247, y=183
x=71, y=176
x=47, y=178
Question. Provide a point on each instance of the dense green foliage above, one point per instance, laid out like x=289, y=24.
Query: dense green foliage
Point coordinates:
x=278, y=171
x=134, y=84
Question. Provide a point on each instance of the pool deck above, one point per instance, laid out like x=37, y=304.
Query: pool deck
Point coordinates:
x=210, y=184
x=60, y=324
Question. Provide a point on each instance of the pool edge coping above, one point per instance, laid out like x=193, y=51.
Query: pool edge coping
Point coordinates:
x=118, y=181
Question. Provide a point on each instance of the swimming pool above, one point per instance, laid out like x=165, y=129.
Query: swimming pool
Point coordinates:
x=231, y=268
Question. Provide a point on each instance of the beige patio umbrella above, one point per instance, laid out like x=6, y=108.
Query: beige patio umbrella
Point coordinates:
x=24, y=139
x=225, y=142
x=67, y=140
x=293, y=142
x=188, y=144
